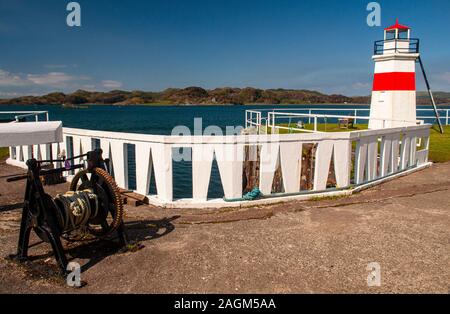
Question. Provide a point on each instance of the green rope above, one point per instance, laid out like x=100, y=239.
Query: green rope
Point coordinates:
x=250, y=196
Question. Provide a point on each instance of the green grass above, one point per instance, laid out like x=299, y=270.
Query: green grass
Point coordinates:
x=4, y=152
x=327, y=198
x=336, y=128
x=440, y=144
x=323, y=128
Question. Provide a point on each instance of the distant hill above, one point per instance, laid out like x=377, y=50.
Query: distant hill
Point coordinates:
x=186, y=96
x=200, y=96
x=441, y=98
x=435, y=94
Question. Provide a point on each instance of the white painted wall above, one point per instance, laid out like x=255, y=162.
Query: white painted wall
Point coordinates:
x=391, y=45
x=397, y=146
x=391, y=109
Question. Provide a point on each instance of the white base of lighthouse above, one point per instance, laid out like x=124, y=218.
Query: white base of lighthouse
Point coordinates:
x=390, y=109
x=394, y=90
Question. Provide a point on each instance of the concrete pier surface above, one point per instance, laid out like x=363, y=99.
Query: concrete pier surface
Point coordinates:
x=321, y=246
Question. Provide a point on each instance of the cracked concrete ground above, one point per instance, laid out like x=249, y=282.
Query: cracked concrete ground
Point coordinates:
x=301, y=247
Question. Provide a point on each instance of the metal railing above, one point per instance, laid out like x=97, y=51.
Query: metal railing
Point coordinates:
x=357, y=114
x=414, y=43
x=20, y=115
x=273, y=126
x=253, y=119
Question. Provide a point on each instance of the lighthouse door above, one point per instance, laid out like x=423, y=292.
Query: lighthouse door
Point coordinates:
x=380, y=111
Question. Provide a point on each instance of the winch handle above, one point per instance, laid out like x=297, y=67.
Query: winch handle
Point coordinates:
x=94, y=160
x=62, y=160
x=45, y=172
x=18, y=178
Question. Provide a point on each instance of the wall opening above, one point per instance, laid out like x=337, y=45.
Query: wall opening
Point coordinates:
x=331, y=181
x=353, y=163
x=215, y=188
x=20, y=152
x=131, y=163
x=277, y=183
x=95, y=143
x=378, y=161
x=152, y=190
x=182, y=172
x=308, y=164
x=69, y=151
x=251, y=169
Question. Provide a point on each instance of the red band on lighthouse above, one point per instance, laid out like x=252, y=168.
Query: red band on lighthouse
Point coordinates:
x=395, y=81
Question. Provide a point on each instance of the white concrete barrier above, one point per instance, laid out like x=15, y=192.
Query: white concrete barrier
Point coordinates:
x=373, y=155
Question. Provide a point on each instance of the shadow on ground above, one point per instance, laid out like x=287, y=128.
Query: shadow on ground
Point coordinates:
x=96, y=251
x=137, y=231
x=10, y=207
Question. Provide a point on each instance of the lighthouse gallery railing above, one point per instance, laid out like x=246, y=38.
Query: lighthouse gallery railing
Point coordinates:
x=413, y=47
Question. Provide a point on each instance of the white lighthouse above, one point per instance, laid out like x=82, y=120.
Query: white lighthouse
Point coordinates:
x=394, y=85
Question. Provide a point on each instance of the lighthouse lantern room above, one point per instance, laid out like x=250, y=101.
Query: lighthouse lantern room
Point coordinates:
x=394, y=87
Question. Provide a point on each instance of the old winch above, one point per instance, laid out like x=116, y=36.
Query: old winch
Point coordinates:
x=76, y=208
x=92, y=208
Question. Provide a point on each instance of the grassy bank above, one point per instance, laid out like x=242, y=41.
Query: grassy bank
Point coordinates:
x=330, y=127
x=440, y=144
x=4, y=152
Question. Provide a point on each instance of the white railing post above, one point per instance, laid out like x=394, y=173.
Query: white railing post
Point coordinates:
x=259, y=122
x=315, y=123
x=269, y=122
x=446, y=117
x=385, y=154
x=360, y=160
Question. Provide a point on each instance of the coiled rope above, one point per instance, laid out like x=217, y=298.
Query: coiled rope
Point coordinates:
x=77, y=208
x=250, y=196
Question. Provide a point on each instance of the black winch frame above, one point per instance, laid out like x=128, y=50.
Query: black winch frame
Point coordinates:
x=39, y=209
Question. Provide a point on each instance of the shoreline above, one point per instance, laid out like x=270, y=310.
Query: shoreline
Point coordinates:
x=87, y=105
x=192, y=105
x=207, y=105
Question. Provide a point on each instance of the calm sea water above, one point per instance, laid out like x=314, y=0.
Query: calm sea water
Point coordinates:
x=147, y=119
x=161, y=120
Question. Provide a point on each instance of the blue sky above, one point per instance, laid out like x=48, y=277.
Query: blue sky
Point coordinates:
x=324, y=45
